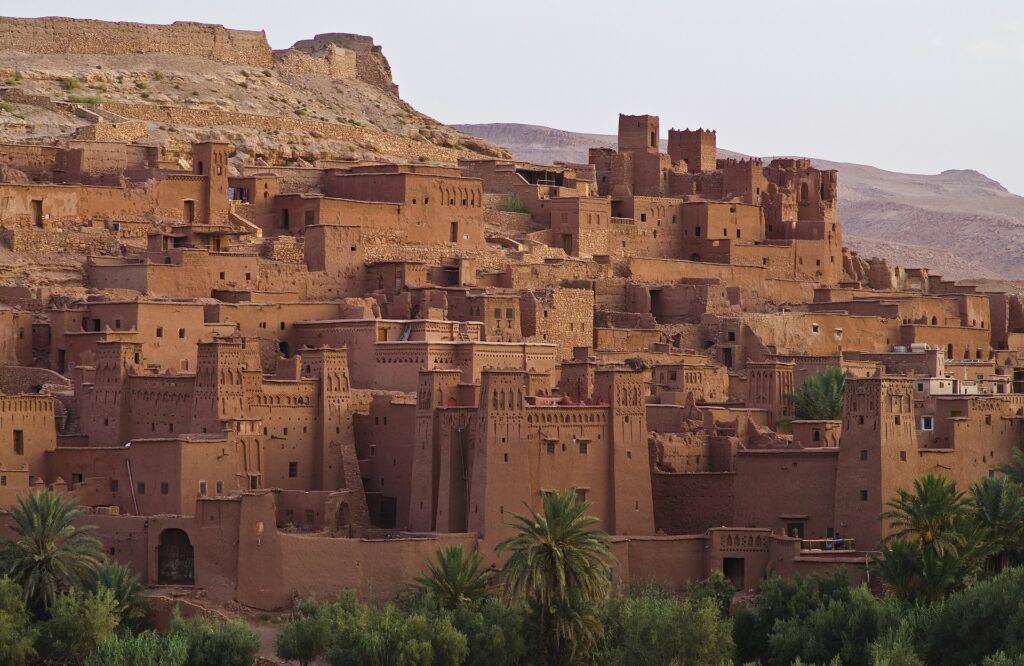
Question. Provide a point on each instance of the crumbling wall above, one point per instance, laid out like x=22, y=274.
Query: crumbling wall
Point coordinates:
x=370, y=64
x=66, y=35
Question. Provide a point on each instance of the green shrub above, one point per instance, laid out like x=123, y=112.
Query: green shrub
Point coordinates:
x=306, y=636
x=79, y=622
x=780, y=599
x=391, y=635
x=216, y=643
x=974, y=623
x=146, y=649
x=16, y=633
x=514, y=205
x=842, y=627
x=651, y=627
x=128, y=592
x=68, y=83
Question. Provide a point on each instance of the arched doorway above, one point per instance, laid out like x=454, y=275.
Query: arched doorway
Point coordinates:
x=175, y=559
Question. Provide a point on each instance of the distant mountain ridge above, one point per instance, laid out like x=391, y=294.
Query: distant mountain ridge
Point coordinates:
x=958, y=223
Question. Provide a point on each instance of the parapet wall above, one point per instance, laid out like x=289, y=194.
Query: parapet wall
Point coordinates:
x=66, y=35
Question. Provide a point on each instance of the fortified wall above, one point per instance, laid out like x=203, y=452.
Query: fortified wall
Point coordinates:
x=66, y=35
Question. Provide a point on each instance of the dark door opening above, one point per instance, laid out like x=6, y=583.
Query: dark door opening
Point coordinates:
x=727, y=356
x=175, y=559
x=454, y=236
x=732, y=567
x=190, y=211
x=343, y=520
x=388, y=512
x=37, y=212
x=795, y=529
x=656, y=304
x=567, y=243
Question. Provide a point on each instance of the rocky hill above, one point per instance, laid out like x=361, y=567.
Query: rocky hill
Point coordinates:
x=329, y=97
x=958, y=223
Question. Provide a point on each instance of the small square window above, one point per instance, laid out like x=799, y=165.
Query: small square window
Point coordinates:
x=863, y=454
x=551, y=447
x=140, y=487
x=293, y=469
x=863, y=496
x=165, y=488
x=113, y=485
x=220, y=487
x=583, y=447
x=903, y=456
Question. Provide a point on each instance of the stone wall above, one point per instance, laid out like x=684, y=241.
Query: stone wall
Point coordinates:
x=65, y=35
x=370, y=64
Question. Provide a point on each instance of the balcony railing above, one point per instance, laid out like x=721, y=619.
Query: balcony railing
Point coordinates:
x=831, y=544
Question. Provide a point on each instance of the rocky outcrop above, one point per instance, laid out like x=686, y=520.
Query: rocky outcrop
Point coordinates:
x=343, y=55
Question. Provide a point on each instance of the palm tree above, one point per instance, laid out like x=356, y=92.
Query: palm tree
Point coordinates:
x=50, y=553
x=914, y=575
x=560, y=562
x=820, y=397
x=456, y=577
x=1014, y=470
x=931, y=515
x=128, y=592
x=997, y=512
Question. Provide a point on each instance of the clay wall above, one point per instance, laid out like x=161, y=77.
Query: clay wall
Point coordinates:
x=563, y=316
x=625, y=339
x=691, y=502
x=27, y=431
x=776, y=489
x=15, y=337
x=958, y=342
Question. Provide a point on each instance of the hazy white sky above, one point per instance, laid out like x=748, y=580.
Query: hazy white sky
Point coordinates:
x=905, y=85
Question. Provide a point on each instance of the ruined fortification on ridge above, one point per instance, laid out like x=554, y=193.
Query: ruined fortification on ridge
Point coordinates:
x=65, y=35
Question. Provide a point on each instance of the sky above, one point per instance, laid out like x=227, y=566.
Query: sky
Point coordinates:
x=904, y=85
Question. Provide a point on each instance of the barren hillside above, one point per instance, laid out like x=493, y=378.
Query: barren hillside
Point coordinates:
x=958, y=223
x=330, y=97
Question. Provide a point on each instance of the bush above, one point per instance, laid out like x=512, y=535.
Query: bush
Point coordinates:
x=216, y=643
x=79, y=622
x=124, y=585
x=843, y=628
x=496, y=631
x=782, y=599
x=514, y=205
x=716, y=587
x=975, y=623
x=146, y=649
x=651, y=627
x=16, y=633
x=68, y=83
x=306, y=636
x=390, y=635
